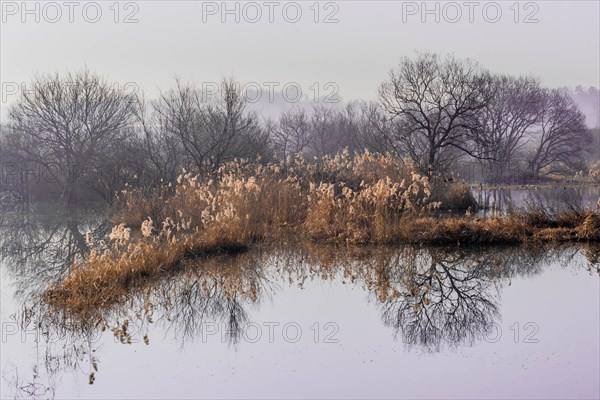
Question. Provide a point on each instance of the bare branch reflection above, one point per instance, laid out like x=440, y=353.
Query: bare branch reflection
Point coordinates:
x=430, y=297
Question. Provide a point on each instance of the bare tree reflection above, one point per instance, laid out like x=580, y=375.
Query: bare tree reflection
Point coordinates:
x=38, y=249
x=215, y=291
x=429, y=297
x=446, y=297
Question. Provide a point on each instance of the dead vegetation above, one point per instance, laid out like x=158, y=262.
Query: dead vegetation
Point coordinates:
x=364, y=199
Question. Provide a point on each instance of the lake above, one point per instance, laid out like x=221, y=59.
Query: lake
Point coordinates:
x=301, y=320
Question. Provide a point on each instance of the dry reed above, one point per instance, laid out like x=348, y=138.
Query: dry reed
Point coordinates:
x=353, y=199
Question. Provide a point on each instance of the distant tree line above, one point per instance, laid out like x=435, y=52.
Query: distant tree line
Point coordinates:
x=76, y=137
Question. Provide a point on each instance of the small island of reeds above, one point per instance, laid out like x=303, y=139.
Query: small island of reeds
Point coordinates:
x=357, y=200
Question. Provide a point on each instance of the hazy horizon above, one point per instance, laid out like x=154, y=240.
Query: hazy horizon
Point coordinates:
x=355, y=53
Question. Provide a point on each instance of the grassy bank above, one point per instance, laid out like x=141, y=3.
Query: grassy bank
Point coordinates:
x=364, y=199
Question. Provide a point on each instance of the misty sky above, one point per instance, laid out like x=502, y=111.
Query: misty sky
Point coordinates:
x=171, y=38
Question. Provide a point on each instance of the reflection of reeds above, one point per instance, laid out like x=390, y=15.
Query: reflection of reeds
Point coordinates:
x=361, y=199
x=106, y=277
x=413, y=285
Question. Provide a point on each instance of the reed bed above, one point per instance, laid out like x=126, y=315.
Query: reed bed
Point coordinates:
x=358, y=199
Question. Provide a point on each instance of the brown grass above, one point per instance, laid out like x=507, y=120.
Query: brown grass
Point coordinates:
x=360, y=199
x=105, y=277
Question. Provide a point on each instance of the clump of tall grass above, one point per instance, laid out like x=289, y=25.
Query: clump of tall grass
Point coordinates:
x=373, y=213
x=355, y=199
x=454, y=196
x=248, y=201
x=573, y=222
x=111, y=269
x=360, y=169
x=467, y=230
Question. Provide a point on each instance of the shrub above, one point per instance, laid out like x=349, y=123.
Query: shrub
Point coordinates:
x=453, y=196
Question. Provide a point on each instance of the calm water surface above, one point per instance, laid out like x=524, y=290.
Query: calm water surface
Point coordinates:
x=309, y=321
x=554, y=197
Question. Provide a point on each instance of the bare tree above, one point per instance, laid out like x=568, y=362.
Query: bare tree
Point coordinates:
x=164, y=153
x=374, y=130
x=562, y=137
x=209, y=130
x=320, y=131
x=347, y=127
x=325, y=135
x=15, y=188
x=293, y=133
x=67, y=122
x=503, y=125
x=437, y=101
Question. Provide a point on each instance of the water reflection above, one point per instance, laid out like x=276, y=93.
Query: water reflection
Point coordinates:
x=447, y=297
x=555, y=197
x=218, y=290
x=38, y=249
x=429, y=297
